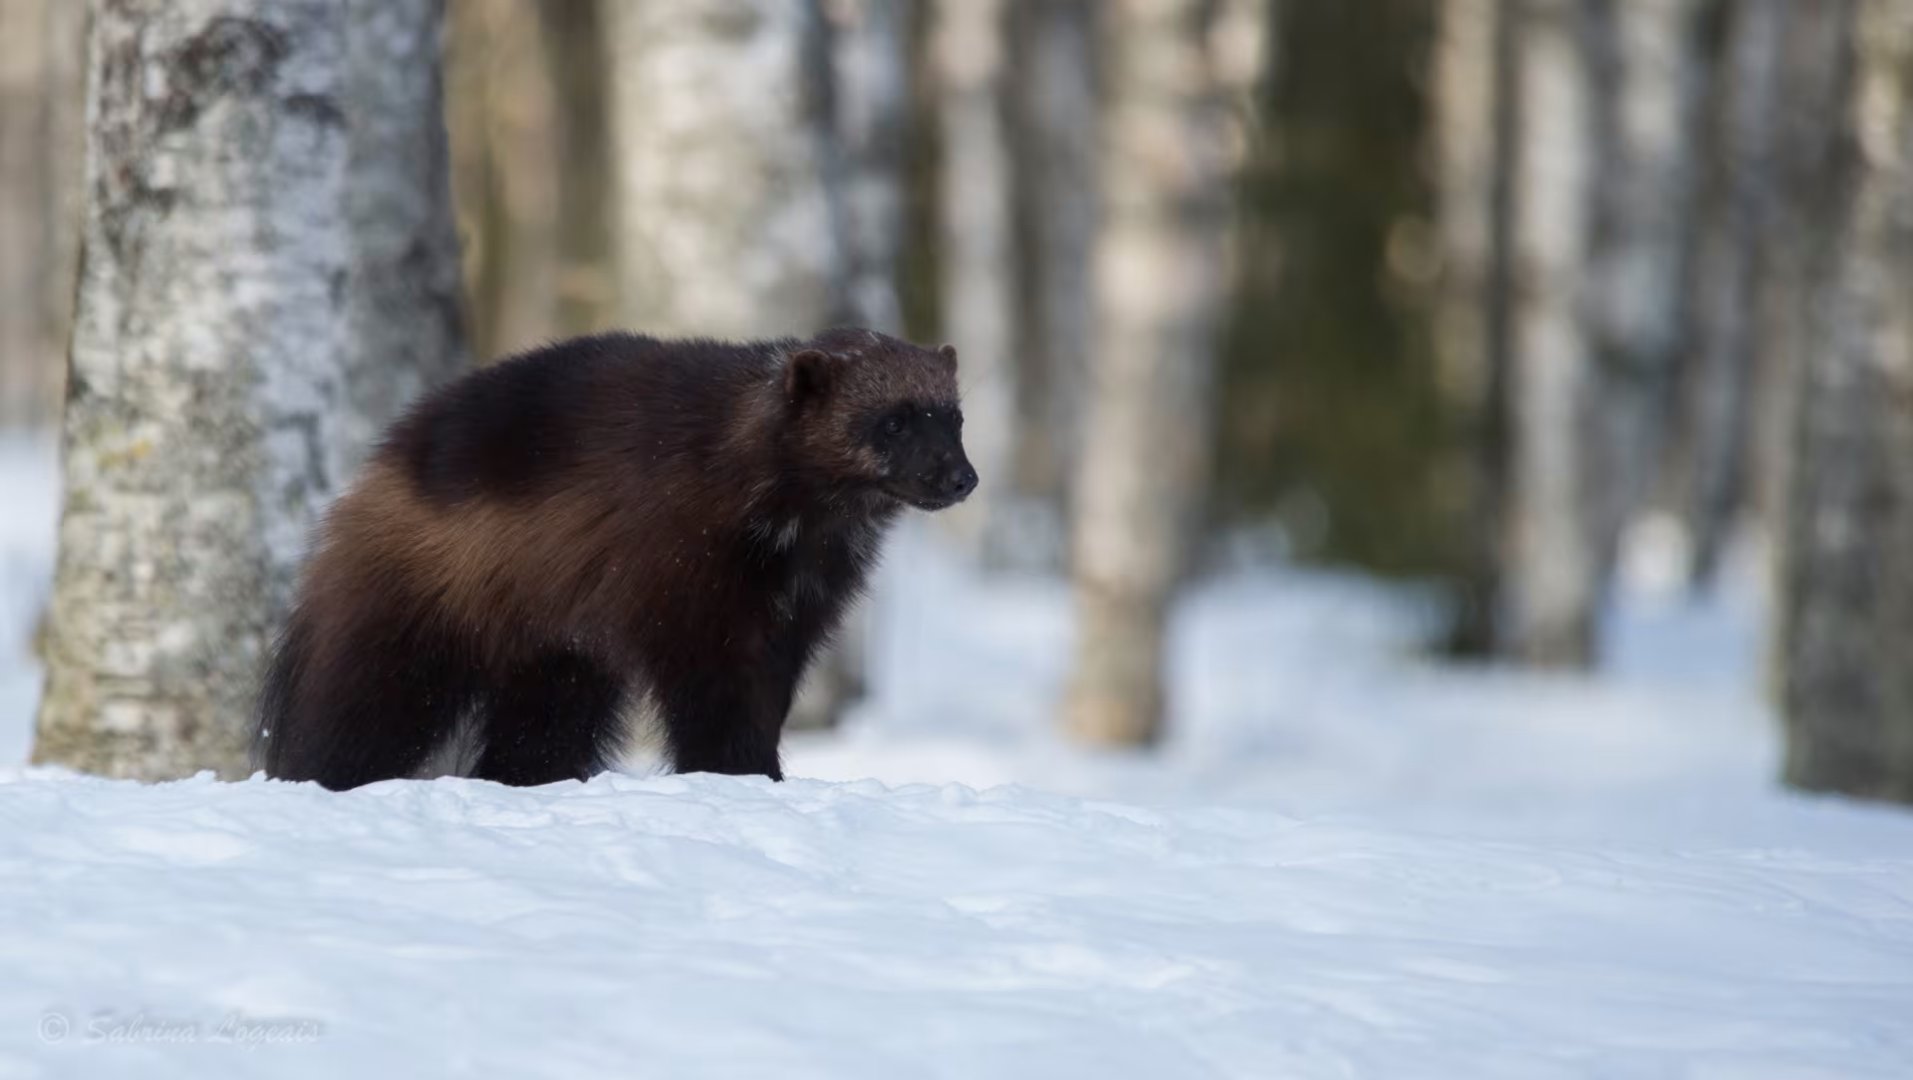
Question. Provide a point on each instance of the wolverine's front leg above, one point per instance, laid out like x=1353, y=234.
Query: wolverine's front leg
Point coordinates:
x=726, y=718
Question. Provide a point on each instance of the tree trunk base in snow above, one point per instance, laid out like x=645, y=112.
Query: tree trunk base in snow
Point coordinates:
x=1117, y=698
x=1565, y=645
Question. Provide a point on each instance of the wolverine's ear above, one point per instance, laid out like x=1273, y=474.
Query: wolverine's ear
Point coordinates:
x=809, y=374
x=948, y=352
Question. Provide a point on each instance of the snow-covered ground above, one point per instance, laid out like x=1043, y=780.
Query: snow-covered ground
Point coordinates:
x=1346, y=862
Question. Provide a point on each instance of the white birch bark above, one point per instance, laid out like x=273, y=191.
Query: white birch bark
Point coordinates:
x=1056, y=168
x=870, y=49
x=405, y=326
x=724, y=151
x=1554, y=565
x=733, y=218
x=871, y=60
x=1847, y=614
x=1161, y=270
x=267, y=274
x=968, y=55
x=1651, y=79
x=1607, y=141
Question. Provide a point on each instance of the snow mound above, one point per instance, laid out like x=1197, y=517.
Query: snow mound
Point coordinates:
x=711, y=926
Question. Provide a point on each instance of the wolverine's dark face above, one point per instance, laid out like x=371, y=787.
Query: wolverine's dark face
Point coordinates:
x=882, y=415
x=921, y=447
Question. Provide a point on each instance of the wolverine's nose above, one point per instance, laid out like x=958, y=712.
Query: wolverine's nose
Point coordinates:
x=958, y=483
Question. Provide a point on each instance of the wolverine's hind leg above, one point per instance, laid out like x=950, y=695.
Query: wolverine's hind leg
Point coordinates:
x=553, y=718
x=367, y=700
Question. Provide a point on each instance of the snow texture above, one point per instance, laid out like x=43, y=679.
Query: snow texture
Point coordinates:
x=1346, y=863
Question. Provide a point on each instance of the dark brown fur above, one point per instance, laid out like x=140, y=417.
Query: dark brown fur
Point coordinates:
x=546, y=544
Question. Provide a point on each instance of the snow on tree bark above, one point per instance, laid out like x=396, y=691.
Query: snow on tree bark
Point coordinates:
x=1847, y=577
x=267, y=275
x=1161, y=269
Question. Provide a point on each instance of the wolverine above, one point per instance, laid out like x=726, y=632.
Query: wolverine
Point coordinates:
x=601, y=528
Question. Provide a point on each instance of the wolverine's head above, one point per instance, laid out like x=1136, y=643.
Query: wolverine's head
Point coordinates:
x=882, y=415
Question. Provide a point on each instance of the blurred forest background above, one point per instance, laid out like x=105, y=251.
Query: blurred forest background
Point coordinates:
x=1456, y=291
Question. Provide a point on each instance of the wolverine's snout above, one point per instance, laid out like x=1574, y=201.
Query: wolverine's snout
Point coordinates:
x=948, y=482
x=958, y=481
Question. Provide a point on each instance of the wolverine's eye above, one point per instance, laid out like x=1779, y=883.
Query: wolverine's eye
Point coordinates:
x=893, y=426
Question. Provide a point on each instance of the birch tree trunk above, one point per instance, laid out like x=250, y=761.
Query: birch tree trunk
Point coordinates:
x=40, y=54
x=505, y=125
x=22, y=195
x=1161, y=269
x=728, y=226
x=870, y=49
x=403, y=308
x=1473, y=102
x=1847, y=627
x=968, y=54
x=1054, y=116
x=528, y=152
x=1554, y=565
x=63, y=155
x=575, y=56
x=1604, y=184
x=734, y=220
x=1651, y=74
x=871, y=59
x=1464, y=99
x=1815, y=62
x=268, y=274
x=1729, y=357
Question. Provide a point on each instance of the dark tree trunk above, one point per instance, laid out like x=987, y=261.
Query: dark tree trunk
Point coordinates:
x=1847, y=579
